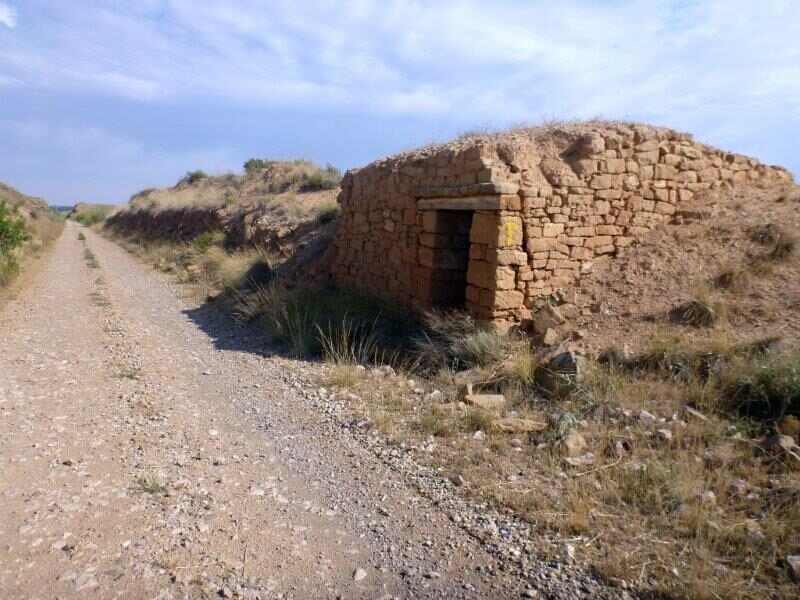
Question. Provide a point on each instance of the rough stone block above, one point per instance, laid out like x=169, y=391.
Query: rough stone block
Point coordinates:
x=551, y=230
x=602, y=182
x=665, y=172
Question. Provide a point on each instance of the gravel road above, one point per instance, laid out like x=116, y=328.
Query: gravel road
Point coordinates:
x=151, y=449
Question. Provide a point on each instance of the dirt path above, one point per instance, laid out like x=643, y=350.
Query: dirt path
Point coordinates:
x=143, y=458
x=147, y=450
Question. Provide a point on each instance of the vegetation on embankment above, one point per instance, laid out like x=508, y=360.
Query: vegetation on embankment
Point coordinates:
x=27, y=225
x=270, y=204
x=91, y=214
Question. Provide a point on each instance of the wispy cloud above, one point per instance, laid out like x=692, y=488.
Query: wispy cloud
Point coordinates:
x=8, y=15
x=725, y=69
x=640, y=57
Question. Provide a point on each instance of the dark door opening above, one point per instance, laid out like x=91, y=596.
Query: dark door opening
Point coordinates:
x=450, y=244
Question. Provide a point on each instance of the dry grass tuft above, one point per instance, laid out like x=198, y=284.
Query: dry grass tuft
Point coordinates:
x=780, y=243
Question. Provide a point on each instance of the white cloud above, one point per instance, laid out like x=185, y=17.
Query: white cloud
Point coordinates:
x=681, y=62
x=8, y=15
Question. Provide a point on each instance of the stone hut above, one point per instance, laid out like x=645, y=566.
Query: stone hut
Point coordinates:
x=498, y=223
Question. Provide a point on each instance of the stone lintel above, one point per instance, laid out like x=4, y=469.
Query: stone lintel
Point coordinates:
x=471, y=189
x=471, y=203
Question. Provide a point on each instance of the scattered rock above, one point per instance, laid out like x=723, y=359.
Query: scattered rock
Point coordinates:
x=583, y=460
x=359, y=574
x=518, y=425
x=793, y=562
x=695, y=413
x=708, y=497
x=547, y=318
x=665, y=435
x=384, y=371
x=550, y=337
x=486, y=401
x=561, y=373
x=754, y=531
x=569, y=552
x=479, y=435
x=647, y=417
x=435, y=396
x=790, y=425
x=573, y=444
x=458, y=480
x=780, y=444
x=738, y=487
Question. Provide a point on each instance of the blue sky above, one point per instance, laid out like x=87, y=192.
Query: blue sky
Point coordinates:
x=101, y=98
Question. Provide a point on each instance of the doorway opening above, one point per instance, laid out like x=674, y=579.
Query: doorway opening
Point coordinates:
x=450, y=243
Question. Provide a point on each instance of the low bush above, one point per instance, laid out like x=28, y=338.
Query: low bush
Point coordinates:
x=205, y=240
x=12, y=235
x=12, y=230
x=696, y=313
x=327, y=179
x=193, y=177
x=255, y=164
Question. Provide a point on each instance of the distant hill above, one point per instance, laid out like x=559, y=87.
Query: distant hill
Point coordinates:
x=90, y=214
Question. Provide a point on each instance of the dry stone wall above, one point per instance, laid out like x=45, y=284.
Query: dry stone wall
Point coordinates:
x=500, y=223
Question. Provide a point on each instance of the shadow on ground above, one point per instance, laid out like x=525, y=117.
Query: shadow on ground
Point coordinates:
x=228, y=334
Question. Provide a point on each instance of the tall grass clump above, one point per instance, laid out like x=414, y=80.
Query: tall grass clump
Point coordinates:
x=340, y=325
x=766, y=388
x=350, y=342
x=454, y=340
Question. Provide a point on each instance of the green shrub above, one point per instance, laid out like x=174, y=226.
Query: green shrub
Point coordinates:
x=325, y=179
x=12, y=230
x=205, y=240
x=255, y=164
x=193, y=177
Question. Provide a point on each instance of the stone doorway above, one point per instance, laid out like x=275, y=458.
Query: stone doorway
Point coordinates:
x=444, y=256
